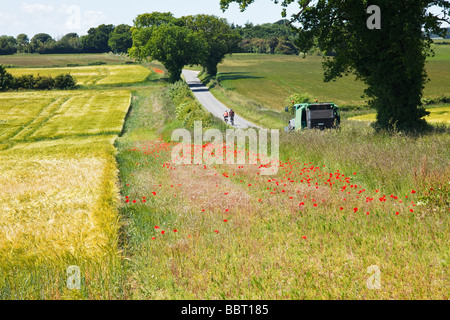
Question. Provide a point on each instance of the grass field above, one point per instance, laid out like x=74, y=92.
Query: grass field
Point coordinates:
x=282, y=76
x=341, y=202
x=92, y=75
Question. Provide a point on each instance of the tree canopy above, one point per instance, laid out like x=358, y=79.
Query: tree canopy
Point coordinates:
x=219, y=37
x=177, y=42
x=390, y=60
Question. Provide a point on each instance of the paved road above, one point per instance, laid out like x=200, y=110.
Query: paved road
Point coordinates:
x=210, y=102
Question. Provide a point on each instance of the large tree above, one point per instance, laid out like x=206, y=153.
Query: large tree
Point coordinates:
x=219, y=37
x=162, y=37
x=390, y=60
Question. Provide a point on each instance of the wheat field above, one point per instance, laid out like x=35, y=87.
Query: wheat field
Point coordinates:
x=92, y=75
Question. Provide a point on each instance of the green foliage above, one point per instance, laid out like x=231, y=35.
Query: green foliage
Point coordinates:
x=120, y=40
x=97, y=63
x=162, y=37
x=31, y=82
x=220, y=39
x=271, y=38
x=97, y=39
x=5, y=79
x=8, y=45
x=299, y=98
x=187, y=109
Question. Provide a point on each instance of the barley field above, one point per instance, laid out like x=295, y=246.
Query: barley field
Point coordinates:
x=92, y=75
x=59, y=189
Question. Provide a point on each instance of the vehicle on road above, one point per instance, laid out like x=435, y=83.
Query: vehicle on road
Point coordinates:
x=313, y=116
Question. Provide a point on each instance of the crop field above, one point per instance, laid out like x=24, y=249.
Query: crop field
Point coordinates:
x=282, y=76
x=59, y=193
x=437, y=115
x=58, y=60
x=92, y=75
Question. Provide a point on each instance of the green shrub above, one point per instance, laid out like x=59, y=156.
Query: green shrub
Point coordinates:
x=65, y=82
x=44, y=83
x=6, y=79
x=96, y=63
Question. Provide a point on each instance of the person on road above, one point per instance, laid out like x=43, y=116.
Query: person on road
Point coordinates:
x=231, y=114
x=225, y=116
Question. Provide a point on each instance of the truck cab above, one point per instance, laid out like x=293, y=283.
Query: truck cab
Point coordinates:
x=314, y=116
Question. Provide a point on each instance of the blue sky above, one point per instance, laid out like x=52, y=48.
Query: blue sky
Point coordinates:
x=58, y=18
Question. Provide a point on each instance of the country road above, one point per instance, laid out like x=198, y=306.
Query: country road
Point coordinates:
x=210, y=102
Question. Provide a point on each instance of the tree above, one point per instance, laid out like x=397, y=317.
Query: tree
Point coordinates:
x=41, y=43
x=176, y=47
x=162, y=37
x=22, y=43
x=390, y=60
x=96, y=41
x=8, y=45
x=218, y=35
x=120, y=40
x=6, y=79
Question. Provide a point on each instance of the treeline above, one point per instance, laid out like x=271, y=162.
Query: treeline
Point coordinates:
x=31, y=82
x=104, y=38
x=270, y=38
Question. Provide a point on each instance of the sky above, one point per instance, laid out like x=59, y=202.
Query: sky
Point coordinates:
x=58, y=18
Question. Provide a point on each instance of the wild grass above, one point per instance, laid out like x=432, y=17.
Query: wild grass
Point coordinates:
x=92, y=75
x=230, y=233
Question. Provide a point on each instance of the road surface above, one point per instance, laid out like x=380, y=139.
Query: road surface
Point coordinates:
x=210, y=102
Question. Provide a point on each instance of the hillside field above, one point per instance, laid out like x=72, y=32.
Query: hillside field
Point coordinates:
x=281, y=76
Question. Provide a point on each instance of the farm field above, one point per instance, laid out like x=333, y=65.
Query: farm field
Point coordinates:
x=282, y=76
x=92, y=75
x=438, y=115
x=59, y=194
x=58, y=60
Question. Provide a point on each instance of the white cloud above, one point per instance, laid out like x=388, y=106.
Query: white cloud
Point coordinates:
x=94, y=18
x=37, y=8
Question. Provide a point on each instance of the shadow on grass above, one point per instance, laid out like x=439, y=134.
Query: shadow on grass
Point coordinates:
x=235, y=76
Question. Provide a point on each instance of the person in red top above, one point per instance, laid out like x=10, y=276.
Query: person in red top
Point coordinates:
x=225, y=116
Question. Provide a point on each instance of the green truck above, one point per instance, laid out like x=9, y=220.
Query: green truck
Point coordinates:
x=314, y=116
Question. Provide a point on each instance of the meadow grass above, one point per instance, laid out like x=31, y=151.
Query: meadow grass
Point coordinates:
x=282, y=76
x=92, y=75
x=59, y=193
x=226, y=232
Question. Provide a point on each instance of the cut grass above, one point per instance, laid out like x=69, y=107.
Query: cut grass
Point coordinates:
x=93, y=75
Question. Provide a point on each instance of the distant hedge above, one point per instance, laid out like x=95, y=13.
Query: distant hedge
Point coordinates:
x=31, y=82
